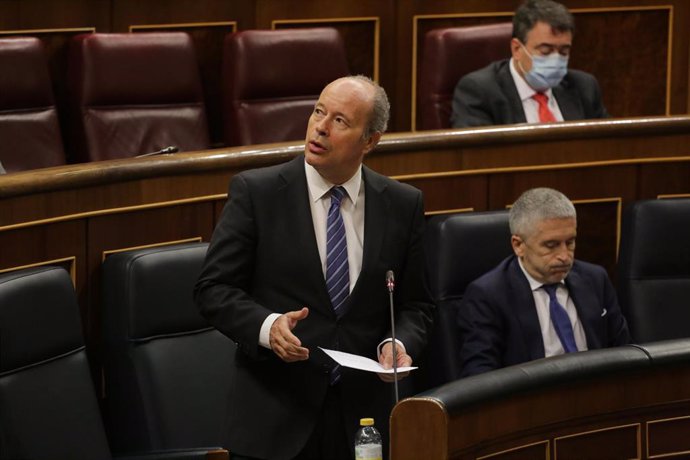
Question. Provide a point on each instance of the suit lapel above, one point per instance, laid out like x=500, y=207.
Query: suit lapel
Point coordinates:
x=294, y=196
x=526, y=311
x=568, y=102
x=376, y=215
x=505, y=81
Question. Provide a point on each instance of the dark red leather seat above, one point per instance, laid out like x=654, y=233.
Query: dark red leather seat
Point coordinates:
x=133, y=94
x=29, y=129
x=449, y=54
x=273, y=78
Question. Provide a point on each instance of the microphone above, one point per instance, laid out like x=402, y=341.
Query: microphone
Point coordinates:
x=163, y=151
x=390, y=284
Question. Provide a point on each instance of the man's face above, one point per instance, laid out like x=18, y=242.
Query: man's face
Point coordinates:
x=542, y=40
x=548, y=251
x=335, y=143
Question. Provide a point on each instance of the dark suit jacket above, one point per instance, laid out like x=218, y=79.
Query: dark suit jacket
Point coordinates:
x=489, y=97
x=263, y=258
x=498, y=320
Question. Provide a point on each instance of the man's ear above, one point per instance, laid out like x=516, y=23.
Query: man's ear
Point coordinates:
x=518, y=245
x=372, y=142
x=516, y=49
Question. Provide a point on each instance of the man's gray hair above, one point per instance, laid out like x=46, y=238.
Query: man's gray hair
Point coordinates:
x=381, y=112
x=536, y=205
x=548, y=11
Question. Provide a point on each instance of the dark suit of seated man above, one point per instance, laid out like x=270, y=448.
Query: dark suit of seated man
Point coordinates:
x=535, y=86
x=541, y=301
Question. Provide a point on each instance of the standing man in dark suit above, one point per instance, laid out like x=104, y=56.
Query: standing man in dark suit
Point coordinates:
x=535, y=86
x=541, y=301
x=278, y=282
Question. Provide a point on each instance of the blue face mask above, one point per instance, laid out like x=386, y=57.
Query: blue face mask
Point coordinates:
x=546, y=71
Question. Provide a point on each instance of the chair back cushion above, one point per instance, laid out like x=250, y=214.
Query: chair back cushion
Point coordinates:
x=135, y=93
x=167, y=372
x=654, y=269
x=460, y=248
x=273, y=78
x=48, y=407
x=29, y=127
x=450, y=54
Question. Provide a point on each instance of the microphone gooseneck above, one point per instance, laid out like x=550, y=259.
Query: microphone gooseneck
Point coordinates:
x=390, y=284
x=164, y=151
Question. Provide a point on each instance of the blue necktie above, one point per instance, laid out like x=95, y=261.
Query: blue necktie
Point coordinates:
x=560, y=320
x=337, y=267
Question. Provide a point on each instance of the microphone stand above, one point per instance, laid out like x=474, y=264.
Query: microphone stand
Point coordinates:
x=390, y=283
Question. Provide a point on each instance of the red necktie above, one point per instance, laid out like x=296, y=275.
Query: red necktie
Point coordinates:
x=545, y=115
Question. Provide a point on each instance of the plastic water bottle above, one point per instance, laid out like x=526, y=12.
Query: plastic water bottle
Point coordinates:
x=368, y=441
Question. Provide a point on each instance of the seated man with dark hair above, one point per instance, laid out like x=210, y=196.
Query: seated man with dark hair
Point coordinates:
x=541, y=301
x=535, y=85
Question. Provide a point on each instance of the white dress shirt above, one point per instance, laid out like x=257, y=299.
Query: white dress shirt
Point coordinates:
x=526, y=92
x=552, y=344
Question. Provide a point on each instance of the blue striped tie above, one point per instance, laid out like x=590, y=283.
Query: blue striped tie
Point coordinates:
x=337, y=268
x=560, y=320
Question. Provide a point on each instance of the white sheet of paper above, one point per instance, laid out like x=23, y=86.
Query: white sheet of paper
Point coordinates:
x=361, y=363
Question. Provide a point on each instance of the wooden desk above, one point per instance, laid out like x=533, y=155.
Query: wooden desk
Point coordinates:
x=631, y=402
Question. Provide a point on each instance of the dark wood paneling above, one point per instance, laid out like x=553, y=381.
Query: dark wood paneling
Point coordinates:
x=55, y=14
x=446, y=194
x=126, y=13
x=612, y=443
x=598, y=232
x=633, y=83
x=534, y=451
x=39, y=244
x=665, y=178
x=669, y=437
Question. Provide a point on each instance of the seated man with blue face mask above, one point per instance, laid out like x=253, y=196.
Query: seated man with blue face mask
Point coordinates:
x=535, y=85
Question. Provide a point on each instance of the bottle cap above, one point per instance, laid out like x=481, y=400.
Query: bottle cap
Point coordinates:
x=366, y=422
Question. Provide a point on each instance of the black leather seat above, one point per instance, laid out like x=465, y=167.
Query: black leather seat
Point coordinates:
x=654, y=269
x=167, y=372
x=48, y=407
x=460, y=248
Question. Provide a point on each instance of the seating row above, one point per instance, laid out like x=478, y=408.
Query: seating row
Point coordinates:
x=653, y=281
x=166, y=372
x=134, y=94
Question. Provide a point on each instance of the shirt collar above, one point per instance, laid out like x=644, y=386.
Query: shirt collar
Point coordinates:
x=525, y=91
x=533, y=284
x=320, y=187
